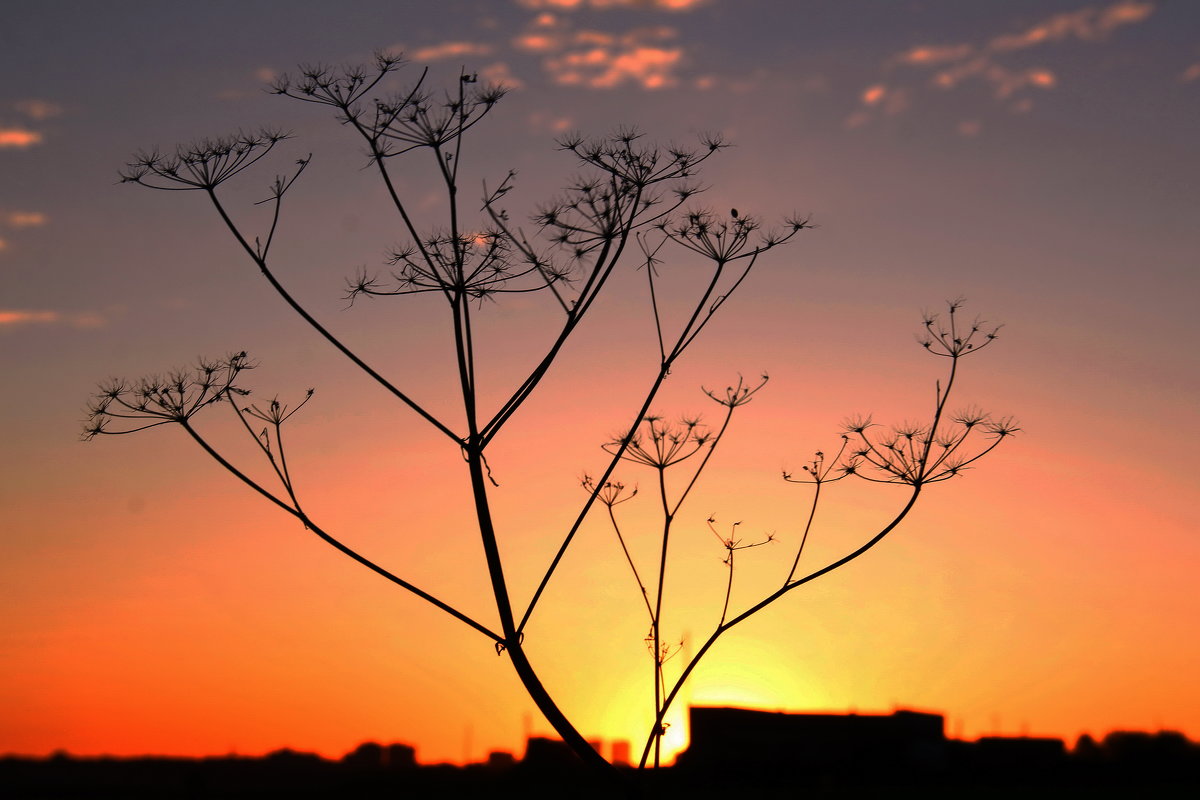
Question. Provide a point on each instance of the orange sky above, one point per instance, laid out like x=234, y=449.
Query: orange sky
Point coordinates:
x=155, y=605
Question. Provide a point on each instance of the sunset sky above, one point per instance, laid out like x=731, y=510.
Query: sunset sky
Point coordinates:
x=1037, y=157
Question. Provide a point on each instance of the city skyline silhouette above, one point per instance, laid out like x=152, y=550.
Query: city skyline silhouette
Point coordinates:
x=1032, y=158
x=733, y=748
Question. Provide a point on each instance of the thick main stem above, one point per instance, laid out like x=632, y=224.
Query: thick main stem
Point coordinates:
x=512, y=639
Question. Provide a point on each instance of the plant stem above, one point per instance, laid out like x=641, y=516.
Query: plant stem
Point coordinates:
x=512, y=639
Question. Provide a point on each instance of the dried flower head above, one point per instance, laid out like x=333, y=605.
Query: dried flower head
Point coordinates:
x=951, y=337
x=610, y=493
x=737, y=395
x=202, y=165
x=121, y=407
x=660, y=444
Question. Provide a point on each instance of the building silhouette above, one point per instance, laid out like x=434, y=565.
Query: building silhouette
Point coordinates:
x=735, y=740
x=621, y=752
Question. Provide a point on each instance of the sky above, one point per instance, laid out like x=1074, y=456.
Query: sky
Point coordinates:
x=1035, y=158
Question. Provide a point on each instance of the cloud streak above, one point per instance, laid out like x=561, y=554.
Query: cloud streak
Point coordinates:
x=16, y=318
x=501, y=74
x=18, y=138
x=578, y=5
x=1088, y=24
x=38, y=109
x=25, y=219
x=645, y=57
x=600, y=67
x=444, y=50
x=962, y=63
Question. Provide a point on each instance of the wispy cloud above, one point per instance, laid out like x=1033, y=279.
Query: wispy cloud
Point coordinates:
x=438, y=52
x=1004, y=82
x=600, y=60
x=873, y=94
x=926, y=55
x=25, y=219
x=1191, y=73
x=38, y=109
x=878, y=99
x=576, y=5
x=969, y=128
x=541, y=121
x=18, y=138
x=644, y=57
x=497, y=72
x=1089, y=24
x=15, y=318
x=501, y=73
x=11, y=318
x=755, y=79
x=964, y=63
x=538, y=42
x=16, y=220
x=648, y=57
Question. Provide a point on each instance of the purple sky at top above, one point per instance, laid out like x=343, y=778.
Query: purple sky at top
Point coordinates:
x=1039, y=156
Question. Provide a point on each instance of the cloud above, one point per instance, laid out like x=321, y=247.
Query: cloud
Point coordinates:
x=601, y=60
x=755, y=79
x=891, y=100
x=962, y=63
x=499, y=73
x=444, y=50
x=14, y=318
x=856, y=120
x=558, y=5
x=935, y=54
x=87, y=319
x=545, y=121
x=25, y=219
x=969, y=128
x=19, y=138
x=873, y=94
x=1089, y=24
x=1191, y=73
x=649, y=5
x=537, y=42
x=599, y=68
x=648, y=57
x=38, y=109
x=1005, y=82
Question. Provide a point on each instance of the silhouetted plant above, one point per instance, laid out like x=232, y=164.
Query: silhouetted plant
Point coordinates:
x=630, y=193
x=913, y=454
